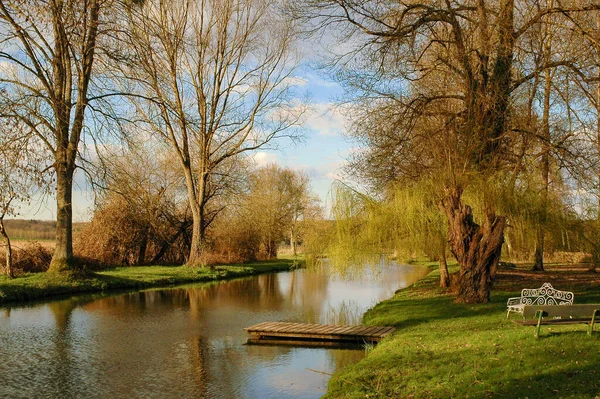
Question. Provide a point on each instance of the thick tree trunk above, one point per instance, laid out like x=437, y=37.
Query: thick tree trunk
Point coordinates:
x=444, y=275
x=197, y=245
x=9, y=269
x=476, y=248
x=62, y=259
x=196, y=189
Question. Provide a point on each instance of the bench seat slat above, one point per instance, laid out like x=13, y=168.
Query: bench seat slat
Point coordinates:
x=534, y=322
x=564, y=311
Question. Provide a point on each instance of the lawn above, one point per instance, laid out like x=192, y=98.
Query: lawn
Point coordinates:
x=447, y=350
x=44, y=285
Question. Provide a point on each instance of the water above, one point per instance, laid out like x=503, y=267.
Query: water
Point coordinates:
x=185, y=342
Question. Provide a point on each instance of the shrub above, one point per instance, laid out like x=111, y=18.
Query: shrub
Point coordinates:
x=122, y=234
x=30, y=258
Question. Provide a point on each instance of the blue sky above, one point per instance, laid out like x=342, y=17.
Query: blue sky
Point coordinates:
x=323, y=151
x=321, y=154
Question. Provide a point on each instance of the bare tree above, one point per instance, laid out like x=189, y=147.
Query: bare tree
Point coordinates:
x=215, y=74
x=47, y=53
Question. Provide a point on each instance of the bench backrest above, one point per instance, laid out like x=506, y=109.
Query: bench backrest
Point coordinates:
x=546, y=295
x=574, y=311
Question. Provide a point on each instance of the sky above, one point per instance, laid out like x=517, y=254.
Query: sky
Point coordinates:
x=321, y=153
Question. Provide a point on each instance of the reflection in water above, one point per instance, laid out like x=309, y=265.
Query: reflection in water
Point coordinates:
x=185, y=342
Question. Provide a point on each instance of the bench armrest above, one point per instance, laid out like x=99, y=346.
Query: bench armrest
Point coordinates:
x=514, y=301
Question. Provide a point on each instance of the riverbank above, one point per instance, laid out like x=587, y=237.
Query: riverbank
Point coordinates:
x=36, y=286
x=447, y=350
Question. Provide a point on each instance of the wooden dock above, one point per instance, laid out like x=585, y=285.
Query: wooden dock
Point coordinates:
x=316, y=334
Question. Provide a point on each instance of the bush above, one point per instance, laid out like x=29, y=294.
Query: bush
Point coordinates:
x=120, y=234
x=31, y=258
x=232, y=241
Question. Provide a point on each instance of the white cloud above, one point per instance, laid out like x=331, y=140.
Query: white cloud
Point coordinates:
x=316, y=80
x=327, y=119
x=295, y=81
x=263, y=158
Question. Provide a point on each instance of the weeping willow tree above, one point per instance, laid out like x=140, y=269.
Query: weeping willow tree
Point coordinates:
x=408, y=220
x=405, y=222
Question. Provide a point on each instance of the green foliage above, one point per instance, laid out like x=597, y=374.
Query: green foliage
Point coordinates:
x=522, y=203
x=406, y=224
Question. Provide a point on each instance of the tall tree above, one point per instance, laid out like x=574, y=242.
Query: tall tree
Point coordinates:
x=215, y=74
x=47, y=53
x=436, y=81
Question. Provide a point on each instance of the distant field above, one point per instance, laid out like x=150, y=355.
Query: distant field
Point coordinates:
x=35, y=230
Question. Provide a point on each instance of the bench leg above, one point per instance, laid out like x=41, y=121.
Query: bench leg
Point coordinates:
x=539, y=315
x=591, y=325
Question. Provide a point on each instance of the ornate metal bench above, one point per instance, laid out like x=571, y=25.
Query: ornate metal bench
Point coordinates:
x=545, y=295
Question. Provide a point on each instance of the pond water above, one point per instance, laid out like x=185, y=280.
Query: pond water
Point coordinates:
x=186, y=342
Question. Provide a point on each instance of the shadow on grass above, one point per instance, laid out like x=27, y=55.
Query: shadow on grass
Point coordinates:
x=575, y=381
x=402, y=312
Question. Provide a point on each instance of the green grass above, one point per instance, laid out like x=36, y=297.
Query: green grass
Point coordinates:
x=45, y=285
x=447, y=350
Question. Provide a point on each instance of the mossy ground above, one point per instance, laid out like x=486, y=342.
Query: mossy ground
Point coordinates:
x=447, y=350
x=35, y=286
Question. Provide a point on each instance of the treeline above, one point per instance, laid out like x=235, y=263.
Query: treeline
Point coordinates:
x=143, y=216
x=35, y=230
x=30, y=229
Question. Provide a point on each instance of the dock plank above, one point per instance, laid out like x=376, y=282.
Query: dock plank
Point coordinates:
x=290, y=332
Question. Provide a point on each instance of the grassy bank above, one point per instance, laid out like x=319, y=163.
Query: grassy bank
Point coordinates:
x=446, y=350
x=44, y=285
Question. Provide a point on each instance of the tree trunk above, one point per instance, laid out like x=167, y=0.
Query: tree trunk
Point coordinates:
x=272, y=249
x=9, y=269
x=62, y=259
x=545, y=171
x=595, y=252
x=444, y=275
x=196, y=190
x=293, y=241
x=141, y=258
x=197, y=245
x=595, y=259
x=538, y=264
x=476, y=248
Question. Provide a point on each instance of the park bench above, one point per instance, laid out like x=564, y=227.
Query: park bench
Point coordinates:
x=537, y=315
x=545, y=295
